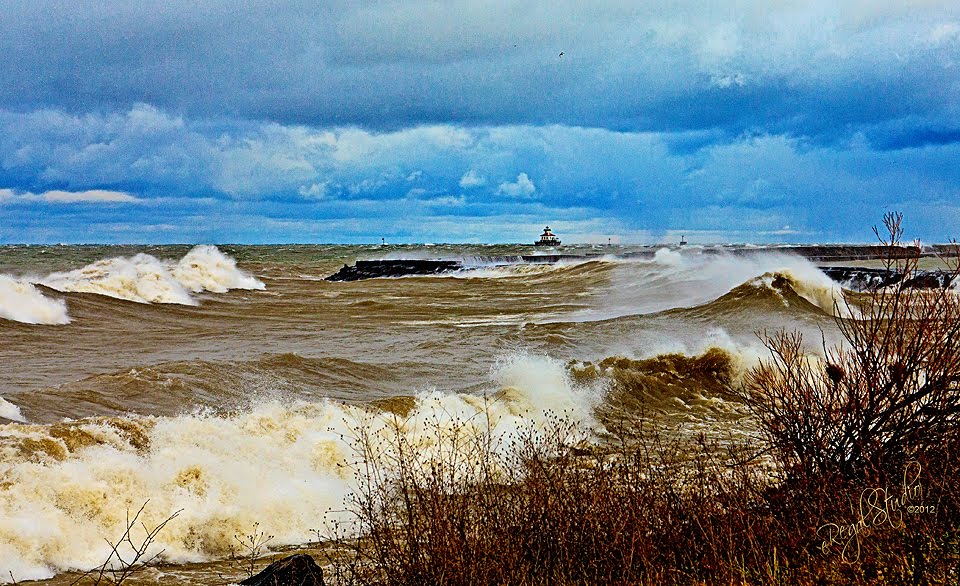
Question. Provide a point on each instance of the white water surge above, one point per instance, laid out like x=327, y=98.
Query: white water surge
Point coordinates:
x=205, y=268
x=673, y=279
x=141, y=278
x=21, y=301
x=68, y=486
x=10, y=411
x=146, y=279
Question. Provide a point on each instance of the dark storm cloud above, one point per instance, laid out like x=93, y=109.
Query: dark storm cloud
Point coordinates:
x=327, y=121
x=817, y=70
x=271, y=182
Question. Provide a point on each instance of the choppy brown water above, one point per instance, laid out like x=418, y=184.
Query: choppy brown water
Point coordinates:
x=229, y=391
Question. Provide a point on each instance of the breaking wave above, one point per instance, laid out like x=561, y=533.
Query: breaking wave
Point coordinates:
x=783, y=289
x=205, y=268
x=682, y=387
x=562, y=269
x=141, y=278
x=10, y=411
x=170, y=388
x=146, y=279
x=69, y=485
x=675, y=280
x=22, y=302
x=816, y=288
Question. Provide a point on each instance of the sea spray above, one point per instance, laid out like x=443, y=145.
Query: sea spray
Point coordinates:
x=141, y=278
x=68, y=486
x=716, y=274
x=147, y=279
x=22, y=302
x=672, y=279
x=668, y=258
x=205, y=268
x=544, y=385
x=810, y=284
x=10, y=411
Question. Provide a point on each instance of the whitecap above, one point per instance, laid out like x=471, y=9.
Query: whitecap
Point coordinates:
x=22, y=302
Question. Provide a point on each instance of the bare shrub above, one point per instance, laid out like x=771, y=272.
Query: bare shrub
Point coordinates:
x=652, y=509
x=886, y=392
x=128, y=554
x=252, y=546
x=454, y=503
x=540, y=507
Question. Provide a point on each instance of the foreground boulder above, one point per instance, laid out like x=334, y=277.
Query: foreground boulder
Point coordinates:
x=296, y=570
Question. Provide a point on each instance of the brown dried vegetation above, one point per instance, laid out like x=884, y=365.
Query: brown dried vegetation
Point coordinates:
x=888, y=392
x=873, y=418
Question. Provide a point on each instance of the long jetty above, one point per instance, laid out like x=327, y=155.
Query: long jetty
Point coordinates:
x=856, y=276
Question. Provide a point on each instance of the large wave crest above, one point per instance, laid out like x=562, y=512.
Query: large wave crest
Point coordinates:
x=141, y=278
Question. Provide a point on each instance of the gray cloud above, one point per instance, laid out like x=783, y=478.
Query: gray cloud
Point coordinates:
x=819, y=69
x=181, y=167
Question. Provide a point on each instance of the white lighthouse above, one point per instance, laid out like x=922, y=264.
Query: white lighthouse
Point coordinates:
x=548, y=238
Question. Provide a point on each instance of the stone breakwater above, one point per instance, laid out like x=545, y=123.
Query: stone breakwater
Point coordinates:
x=371, y=269
x=855, y=277
x=861, y=279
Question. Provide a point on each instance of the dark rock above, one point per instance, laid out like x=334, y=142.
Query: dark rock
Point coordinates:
x=863, y=279
x=845, y=252
x=555, y=258
x=930, y=280
x=860, y=278
x=296, y=570
x=370, y=269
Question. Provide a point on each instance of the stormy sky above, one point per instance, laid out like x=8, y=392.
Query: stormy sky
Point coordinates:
x=461, y=121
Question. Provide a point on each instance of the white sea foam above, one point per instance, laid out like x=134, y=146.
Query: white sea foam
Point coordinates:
x=10, y=411
x=205, y=268
x=146, y=279
x=475, y=269
x=141, y=278
x=814, y=286
x=674, y=279
x=21, y=301
x=283, y=466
